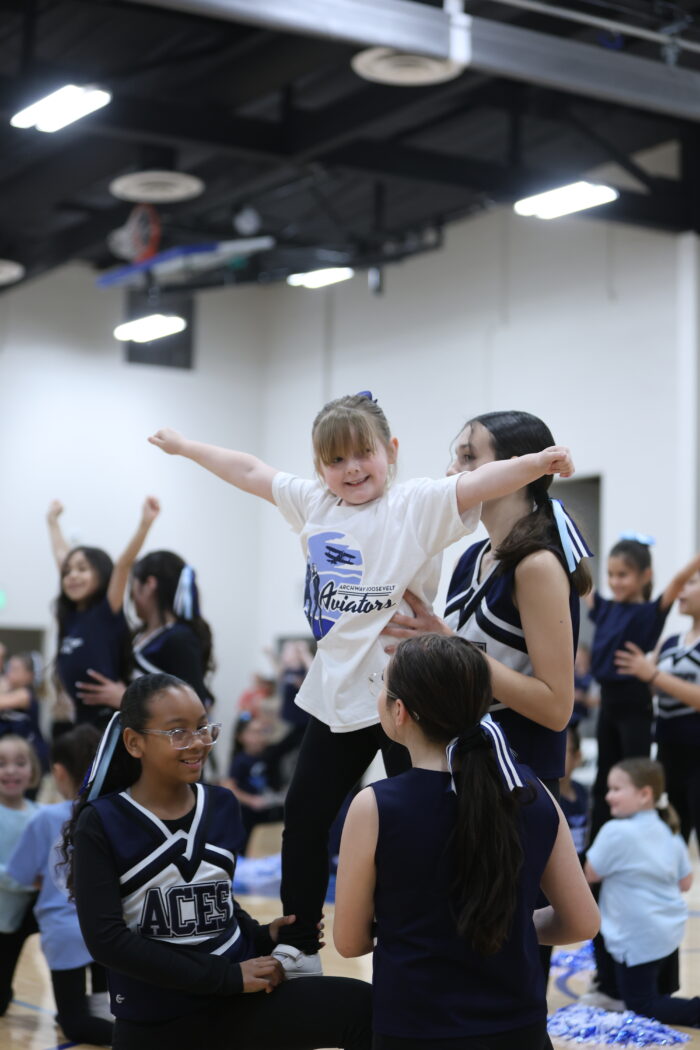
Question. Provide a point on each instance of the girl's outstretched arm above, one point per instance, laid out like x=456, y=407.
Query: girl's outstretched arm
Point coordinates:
x=59, y=545
x=246, y=472
x=503, y=476
x=356, y=879
x=679, y=581
x=125, y=561
x=572, y=914
x=547, y=695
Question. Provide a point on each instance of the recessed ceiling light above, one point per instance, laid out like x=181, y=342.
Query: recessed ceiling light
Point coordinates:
x=146, y=329
x=156, y=187
x=61, y=108
x=565, y=200
x=11, y=271
x=321, y=278
x=385, y=65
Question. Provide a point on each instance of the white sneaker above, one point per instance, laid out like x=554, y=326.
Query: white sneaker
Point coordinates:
x=296, y=963
x=602, y=1001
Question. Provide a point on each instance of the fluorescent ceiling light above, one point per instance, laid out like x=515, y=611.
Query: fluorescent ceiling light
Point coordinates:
x=62, y=107
x=145, y=329
x=320, y=278
x=565, y=200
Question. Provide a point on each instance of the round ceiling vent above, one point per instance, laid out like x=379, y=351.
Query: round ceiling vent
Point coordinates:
x=384, y=65
x=156, y=187
x=11, y=271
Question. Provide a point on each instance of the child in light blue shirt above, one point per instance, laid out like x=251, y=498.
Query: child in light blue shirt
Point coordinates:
x=19, y=773
x=36, y=858
x=644, y=867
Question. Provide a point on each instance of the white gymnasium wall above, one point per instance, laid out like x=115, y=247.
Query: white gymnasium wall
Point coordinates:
x=74, y=423
x=576, y=321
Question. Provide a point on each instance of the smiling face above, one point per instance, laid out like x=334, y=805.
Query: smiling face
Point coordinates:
x=689, y=598
x=361, y=475
x=79, y=579
x=626, y=581
x=623, y=798
x=472, y=448
x=175, y=708
x=16, y=772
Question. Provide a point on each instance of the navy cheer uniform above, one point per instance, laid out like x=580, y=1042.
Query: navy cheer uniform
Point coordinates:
x=155, y=905
x=430, y=985
x=485, y=614
x=678, y=733
x=174, y=649
x=625, y=715
x=95, y=639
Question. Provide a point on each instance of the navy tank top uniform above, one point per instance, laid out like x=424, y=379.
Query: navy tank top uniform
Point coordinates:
x=429, y=983
x=96, y=639
x=175, y=881
x=676, y=722
x=484, y=613
x=174, y=649
x=615, y=624
x=24, y=722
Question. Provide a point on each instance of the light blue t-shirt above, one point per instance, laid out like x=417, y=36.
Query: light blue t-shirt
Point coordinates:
x=642, y=911
x=14, y=895
x=36, y=855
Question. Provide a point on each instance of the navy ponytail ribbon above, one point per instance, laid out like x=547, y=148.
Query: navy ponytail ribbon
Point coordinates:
x=573, y=543
x=487, y=733
x=367, y=394
x=638, y=537
x=105, y=752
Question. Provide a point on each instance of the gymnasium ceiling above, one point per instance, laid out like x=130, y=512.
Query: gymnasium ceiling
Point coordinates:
x=339, y=169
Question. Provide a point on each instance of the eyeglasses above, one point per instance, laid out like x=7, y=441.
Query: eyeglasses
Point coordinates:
x=184, y=738
x=376, y=683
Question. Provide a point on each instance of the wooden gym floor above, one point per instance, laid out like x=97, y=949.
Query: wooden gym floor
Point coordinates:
x=29, y=1024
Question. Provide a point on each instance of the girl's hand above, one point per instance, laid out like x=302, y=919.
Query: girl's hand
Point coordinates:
x=263, y=974
x=276, y=924
x=287, y=920
x=631, y=660
x=423, y=621
x=63, y=709
x=556, y=460
x=103, y=691
x=168, y=440
x=54, y=512
x=151, y=510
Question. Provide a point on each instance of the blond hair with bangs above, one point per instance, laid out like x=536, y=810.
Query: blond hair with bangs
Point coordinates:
x=345, y=425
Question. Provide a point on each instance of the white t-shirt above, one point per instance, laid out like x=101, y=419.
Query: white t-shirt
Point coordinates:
x=360, y=560
x=642, y=910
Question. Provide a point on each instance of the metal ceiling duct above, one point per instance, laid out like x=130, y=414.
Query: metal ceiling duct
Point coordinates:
x=485, y=46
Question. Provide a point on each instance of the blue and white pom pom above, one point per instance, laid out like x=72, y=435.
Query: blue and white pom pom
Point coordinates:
x=588, y=1024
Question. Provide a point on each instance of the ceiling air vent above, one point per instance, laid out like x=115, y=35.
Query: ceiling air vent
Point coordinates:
x=156, y=187
x=384, y=65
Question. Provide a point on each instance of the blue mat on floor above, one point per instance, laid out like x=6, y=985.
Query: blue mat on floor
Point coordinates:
x=261, y=877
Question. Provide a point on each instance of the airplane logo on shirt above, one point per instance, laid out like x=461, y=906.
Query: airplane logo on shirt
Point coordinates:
x=339, y=555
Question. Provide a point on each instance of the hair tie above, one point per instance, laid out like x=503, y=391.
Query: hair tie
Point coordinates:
x=488, y=732
x=100, y=765
x=367, y=394
x=662, y=801
x=573, y=544
x=638, y=537
x=185, y=602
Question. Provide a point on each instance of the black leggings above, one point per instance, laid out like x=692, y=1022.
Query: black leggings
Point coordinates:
x=303, y=1014
x=328, y=767
x=533, y=1037
x=10, y=948
x=73, y=1013
x=624, y=731
x=681, y=764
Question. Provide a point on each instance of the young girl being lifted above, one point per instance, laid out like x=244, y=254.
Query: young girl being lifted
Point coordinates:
x=365, y=543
